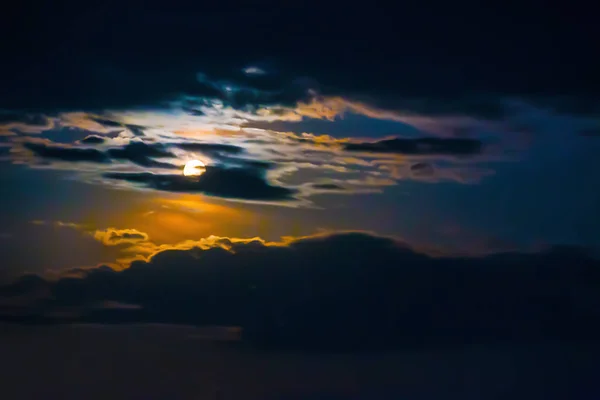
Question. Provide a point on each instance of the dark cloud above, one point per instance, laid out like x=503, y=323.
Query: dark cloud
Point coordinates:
x=126, y=235
x=427, y=146
x=92, y=139
x=107, y=122
x=245, y=163
x=53, y=65
x=71, y=154
x=142, y=154
x=422, y=169
x=23, y=118
x=210, y=147
x=137, y=130
x=235, y=183
x=27, y=284
x=351, y=289
x=139, y=153
x=225, y=154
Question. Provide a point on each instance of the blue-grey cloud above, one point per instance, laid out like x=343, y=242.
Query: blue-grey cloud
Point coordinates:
x=139, y=153
x=64, y=153
x=137, y=130
x=142, y=154
x=233, y=183
x=423, y=146
x=210, y=147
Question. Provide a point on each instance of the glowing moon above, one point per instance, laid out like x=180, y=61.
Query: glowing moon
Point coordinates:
x=194, y=168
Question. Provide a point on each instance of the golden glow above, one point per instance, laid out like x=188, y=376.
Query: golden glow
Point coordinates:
x=175, y=218
x=194, y=168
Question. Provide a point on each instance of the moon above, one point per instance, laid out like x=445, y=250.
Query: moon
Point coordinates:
x=194, y=168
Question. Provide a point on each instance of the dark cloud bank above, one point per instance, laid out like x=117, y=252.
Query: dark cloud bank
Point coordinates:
x=230, y=177
x=139, y=153
x=462, y=58
x=236, y=183
x=70, y=154
x=345, y=291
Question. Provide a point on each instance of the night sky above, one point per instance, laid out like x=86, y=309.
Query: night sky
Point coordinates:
x=374, y=174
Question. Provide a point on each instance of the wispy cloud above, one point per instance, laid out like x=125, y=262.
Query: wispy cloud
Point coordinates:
x=141, y=148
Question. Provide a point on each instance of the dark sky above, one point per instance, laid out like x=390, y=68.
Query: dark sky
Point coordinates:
x=432, y=165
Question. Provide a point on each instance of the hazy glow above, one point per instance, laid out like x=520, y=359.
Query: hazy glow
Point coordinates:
x=194, y=168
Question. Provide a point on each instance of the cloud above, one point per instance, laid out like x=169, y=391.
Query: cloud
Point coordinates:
x=136, y=130
x=432, y=173
x=92, y=139
x=225, y=154
x=284, y=167
x=137, y=152
x=23, y=118
x=422, y=169
x=423, y=146
x=233, y=183
x=107, y=122
x=67, y=153
x=141, y=153
x=254, y=71
x=328, y=186
x=13, y=122
x=114, y=237
x=432, y=83
x=60, y=224
x=210, y=147
x=346, y=289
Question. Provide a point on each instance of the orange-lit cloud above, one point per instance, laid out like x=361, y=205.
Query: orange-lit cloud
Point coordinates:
x=114, y=237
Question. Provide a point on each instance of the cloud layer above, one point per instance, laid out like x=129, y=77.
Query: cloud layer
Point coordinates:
x=247, y=164
x=369, y=62
x=448, y=115
x=345, y=289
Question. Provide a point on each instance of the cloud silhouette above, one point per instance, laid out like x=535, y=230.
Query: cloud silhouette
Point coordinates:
x=351, y=290
x=234, y=183
x=135, y=129
x=139, y=153
x=425, y=146
x=210, y=147
x=67, y=153
x=106, y=122
x=422, y=169
x=142, y=154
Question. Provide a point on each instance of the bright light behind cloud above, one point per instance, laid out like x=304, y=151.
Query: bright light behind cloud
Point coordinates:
x=194, y=168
